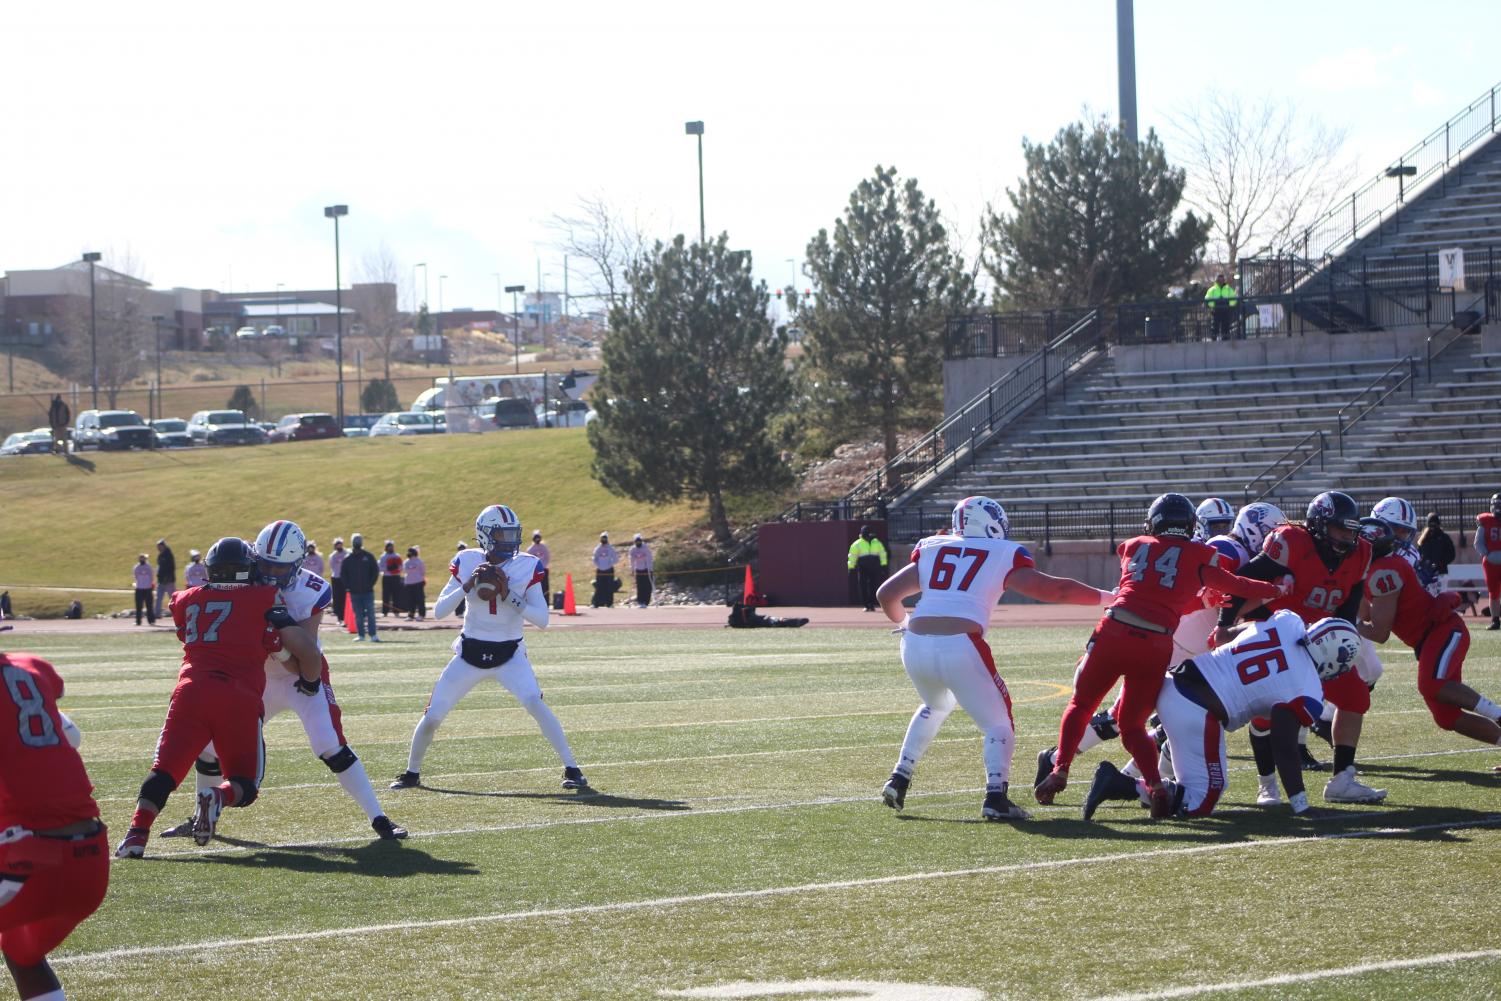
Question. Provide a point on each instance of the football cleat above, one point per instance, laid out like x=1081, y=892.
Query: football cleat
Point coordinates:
x=573, y=778
x=1109, y=783
x=1310, y=763
x=407, y=780
x=1267, y=792
x=998, y=806
x=134, y=845
x=1324, y=730
x=894, y=792
x=387, y=830
x=206, y=816
x=1044, y=766
x=182, y=830
x=1346, y=788
x=1051, y=785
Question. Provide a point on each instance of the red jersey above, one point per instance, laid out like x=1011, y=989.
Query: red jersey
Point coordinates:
x=224, y=632
x=42, y=782
x=1417, y=610
x=390, y=564
x=1317, y=591
x=1161, y=577
x=1487, y=533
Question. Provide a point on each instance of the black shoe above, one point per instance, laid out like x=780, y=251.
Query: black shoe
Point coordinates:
x=1324, y=730
x=1108, y=783
x=387, y=830
x=182, y=830
x=1495, y=624
x=573, y=778
x=407, y=780
x=894, y=793
x=1044, y=765
x=1104, y=725
x=998, y=806
x=1310, y=763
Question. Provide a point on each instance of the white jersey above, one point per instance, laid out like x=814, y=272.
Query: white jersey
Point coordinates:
x=1263, y=668
x=305, y=595
x=964, y=577
x=497, y=621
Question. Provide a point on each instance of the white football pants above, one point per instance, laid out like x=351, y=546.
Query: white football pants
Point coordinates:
x=957, y=669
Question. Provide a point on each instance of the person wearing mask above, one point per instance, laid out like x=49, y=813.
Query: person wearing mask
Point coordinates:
x=143, y=581
x=195, y=574
x=390, y=580
x=414, y=580
x=335, y=579
x=166, y=575
x=641, y=566
x=539, y=549
x=868, y=558
x=605, y=558
x=1223, y=303
x=313, y=561
x=360, y=572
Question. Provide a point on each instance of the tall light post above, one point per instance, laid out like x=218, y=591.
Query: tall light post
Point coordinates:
x=441, y=279
x=158, y=321
x=279, y=287
x=423, y=266
x=337, y=212
x=697, y=129
x=92, y=257
x=516, y=322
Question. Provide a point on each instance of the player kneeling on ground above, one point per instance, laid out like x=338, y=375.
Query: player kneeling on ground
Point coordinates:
x=227, y=628
x=958, y=578
x=1269, y=669
x=501, y=589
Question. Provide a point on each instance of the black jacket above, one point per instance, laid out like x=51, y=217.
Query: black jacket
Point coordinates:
x=359, y=571
x=166, y=566
x=1436, y=547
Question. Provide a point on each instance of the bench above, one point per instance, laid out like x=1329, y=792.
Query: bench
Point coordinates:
x=1465, y=577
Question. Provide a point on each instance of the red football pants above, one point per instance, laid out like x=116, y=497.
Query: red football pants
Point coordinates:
x=1492, y=573
x=1441, y=659
x=65, y=886
x=214, y=709
x=1118, y=651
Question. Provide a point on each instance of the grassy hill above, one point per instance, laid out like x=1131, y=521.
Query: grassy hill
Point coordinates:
x=81, y=523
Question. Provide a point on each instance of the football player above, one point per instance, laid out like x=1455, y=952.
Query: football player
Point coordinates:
x=54, y=852
x=1438, y=636
x=1162, y=572
x=958, y=578
x=1215, y=517
x=227, y=628
x=1488, y=545
x=1328, y=562
x=503, y=589
x=280, y=549
x=1271, y=669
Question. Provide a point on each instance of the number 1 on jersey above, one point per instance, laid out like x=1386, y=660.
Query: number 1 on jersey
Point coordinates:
x=945, y=567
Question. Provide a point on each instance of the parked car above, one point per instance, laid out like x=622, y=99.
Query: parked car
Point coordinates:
x=510, y=412
x=401, y=422
x=225, y=427
x=568, y=414
x=111, y=429
x=171, y=432
x=38, y=442
x=247, y=334
x=276, y=330
x=304, y=427
x=359, y=425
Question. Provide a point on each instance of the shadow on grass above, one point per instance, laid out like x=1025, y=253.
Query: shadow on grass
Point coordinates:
x=1483, y=777
x=379, y=858
x=584, y=797
x=87, y=465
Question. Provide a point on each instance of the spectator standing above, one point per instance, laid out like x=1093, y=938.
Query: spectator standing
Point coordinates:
x=166, y=575
x=313, y=560
x=359, y=572
x=1435, y=546
x=544, y=559
x=335, y=565
x=1223, y=303
x=868, y=558
x=195, y=574
x=414, y=579
x=390, y=580
x=641, y=566
x=58, y=418
x=144, y=578
x=605, y=558
x=5, y=612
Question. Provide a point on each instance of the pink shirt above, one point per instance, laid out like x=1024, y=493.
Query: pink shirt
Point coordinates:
x=538, y=550
x=145, y=576
x=640, y=558
x=314, y=562
x=196, y=575
x=415, y=570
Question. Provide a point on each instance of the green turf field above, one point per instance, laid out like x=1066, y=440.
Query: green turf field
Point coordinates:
x=735, y=836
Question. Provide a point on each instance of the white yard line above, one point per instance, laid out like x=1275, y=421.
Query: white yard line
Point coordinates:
x=300, y=937
x=1194, y=990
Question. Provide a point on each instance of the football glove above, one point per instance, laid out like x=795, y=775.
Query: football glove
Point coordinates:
x=307, y=687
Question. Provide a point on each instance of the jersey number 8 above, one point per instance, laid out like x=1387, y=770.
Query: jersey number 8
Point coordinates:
x=35, y=724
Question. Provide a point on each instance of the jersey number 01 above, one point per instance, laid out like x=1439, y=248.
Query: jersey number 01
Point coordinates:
x=946, y=567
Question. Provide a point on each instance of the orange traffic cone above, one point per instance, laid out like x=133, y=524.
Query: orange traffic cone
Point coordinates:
x=349, y=614
x=569, y=608
x=750, y=587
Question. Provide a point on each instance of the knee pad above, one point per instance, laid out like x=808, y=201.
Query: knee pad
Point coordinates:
x=208, y=767
x=1258, y=731
x=1104, y=726
x=341, y=760
x=157, y=787
x=250, y=790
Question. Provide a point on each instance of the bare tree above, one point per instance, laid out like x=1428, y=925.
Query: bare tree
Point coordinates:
x=1257, y=170
x=119, y=335
x=600, y=235
x=381, y=313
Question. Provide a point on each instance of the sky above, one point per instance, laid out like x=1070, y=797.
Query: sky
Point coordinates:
x=203, y=140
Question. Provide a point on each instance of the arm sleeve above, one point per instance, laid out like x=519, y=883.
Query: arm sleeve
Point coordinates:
x=535, y=609
x=1349, y=609
x=1263, y=568
x=1480, y=542
x=449, y=597
x=1243, y=587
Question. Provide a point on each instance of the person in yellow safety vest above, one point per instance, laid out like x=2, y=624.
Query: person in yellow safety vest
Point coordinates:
x=867, y=557
x=1222, y=301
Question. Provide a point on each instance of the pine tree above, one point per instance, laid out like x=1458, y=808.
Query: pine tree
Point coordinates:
x=691, y=375
x=379, y=397
x=886, y=279
x=243, y=399
x=1092, y=222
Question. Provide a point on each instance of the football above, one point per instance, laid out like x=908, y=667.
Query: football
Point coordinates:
x=490, y=582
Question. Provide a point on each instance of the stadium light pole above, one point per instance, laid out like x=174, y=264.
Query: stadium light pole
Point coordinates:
x=697, y=129
x=423, y=266
x=336, y=212
x=92, y=257
x=516, y=322
x=158, y=321
x=441, y=279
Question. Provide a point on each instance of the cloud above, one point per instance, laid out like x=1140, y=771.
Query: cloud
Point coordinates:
x=1358, y=68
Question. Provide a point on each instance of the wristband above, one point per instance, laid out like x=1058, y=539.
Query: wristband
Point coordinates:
x=1298, y=801
x=1106, y=597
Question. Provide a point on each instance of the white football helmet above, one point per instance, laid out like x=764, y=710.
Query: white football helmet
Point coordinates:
x=1399, y=514
x=279, y=552
x=1334, y=645
x=1212, y=512
x=497, y=531
x=1254, y=522
x=981, y=518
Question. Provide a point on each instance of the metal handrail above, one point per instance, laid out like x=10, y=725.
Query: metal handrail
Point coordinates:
x=1431, y=352
x=1409, y=380
x=1246, y=493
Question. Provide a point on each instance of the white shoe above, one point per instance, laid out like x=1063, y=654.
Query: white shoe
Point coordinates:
x=206, y=817
x=1130, y=770
x=1269, y=794
x=1345, y=788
